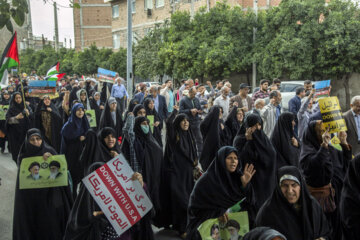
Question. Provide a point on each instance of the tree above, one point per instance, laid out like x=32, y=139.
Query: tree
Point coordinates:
x=16, y=10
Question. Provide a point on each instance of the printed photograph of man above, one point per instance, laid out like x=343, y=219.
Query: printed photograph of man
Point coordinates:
x=34, y=171
x=233, y=227
x=54, y=167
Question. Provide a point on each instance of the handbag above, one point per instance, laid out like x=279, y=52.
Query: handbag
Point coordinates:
x=325, y=196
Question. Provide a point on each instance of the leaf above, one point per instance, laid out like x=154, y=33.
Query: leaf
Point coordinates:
x=19, y=17
x=75, y=5
x=9, y=26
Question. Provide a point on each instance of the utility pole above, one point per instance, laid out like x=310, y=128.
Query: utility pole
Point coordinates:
x=70, y=44
x=192, y=10
x=129, y=73
x=56, y=28
x=254, y=40
x=64, y=42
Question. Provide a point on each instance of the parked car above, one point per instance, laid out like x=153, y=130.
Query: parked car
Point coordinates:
x=149, y=84
x=287, y=90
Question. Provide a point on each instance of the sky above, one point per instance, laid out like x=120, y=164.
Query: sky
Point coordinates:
x=42, y=15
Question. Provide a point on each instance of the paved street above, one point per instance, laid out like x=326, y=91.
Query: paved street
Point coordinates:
x=8, y=171
x=7, y=194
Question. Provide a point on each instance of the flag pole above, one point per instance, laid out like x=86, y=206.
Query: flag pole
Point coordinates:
x=23, y=95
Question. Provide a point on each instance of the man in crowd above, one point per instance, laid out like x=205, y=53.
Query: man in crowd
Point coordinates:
x=168, y=93
x=263, y=91
x=219, y=85
x=160, y=104
x=305, y=111
x=295, y=104
x=191, y=107
x=242, y=99
x=276, y=84
x=258, y=106
x=308, y=85
x=223, y=101
x=352, y=119
x=271, y=112
x=119, y=92
x=142, y=94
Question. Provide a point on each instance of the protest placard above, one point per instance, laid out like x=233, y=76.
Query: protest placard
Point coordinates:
x=3, y=111
x=239, y=219
x=105, y=75
x=40, y=88
x=90, y=114
x=123, y=201
x=322, y=89
x=331, y=114
x=36, y=172
x=151, y=119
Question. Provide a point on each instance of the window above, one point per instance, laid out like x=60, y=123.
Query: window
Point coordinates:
x=148, y=4
x=160, y=3
x=133, y=8
x=116, y=40
x=115, y=11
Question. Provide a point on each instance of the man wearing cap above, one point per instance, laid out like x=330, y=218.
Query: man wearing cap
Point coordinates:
x=263, y=91
x=119, y=92
x=242, y=100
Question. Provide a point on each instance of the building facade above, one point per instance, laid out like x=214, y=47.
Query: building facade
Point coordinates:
x=92, y=24
x=148, y=13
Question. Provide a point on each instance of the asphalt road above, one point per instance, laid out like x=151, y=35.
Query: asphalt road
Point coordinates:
x=8, y=171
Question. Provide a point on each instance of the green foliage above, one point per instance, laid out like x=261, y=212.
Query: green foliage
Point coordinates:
x=81, y=63
x=15, y=10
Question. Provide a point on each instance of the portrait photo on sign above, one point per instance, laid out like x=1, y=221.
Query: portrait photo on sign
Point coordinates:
x=91, y=117
x=36, y=172
x=236, y=227
x=3, y=111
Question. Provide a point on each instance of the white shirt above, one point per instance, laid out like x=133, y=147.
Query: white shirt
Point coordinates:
x=224, y=103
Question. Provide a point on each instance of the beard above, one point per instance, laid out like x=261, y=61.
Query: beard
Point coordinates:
x=53, y=175
x=35, y=176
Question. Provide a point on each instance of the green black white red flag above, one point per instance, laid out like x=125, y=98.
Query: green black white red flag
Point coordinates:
x=53, y=70
x=9, y=59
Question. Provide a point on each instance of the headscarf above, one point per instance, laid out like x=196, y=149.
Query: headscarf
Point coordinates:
x=104, y=148
x=286, y=153
x=75, y=127
x=29, y=150
x=137, y=108
x=263, y=233
x=14, y=107
x=232, y=124
x=78, y=94
x=184, y=139
x=305, y=222
x=261, y=154
x=215, y=191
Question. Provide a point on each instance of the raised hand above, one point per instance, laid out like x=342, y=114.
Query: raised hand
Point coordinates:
x=249, y=172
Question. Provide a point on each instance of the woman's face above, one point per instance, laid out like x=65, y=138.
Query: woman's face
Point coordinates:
x=97, y=97
x=220, y=113
x=291, y=190
x=151, y=105
x=144, y=123
x=83, y=97
x=47, y=101
x=18, y=99
x=35, y=140
x=110, y=141
x=240, y=116
x=6, y=96
x=184, y=124
x=79, y=113
x=231, y=162
x=141, y=113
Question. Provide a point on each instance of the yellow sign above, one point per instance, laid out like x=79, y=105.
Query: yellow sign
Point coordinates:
x=331, y=114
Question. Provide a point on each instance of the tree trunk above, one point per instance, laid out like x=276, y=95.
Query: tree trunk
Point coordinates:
x=345, y=80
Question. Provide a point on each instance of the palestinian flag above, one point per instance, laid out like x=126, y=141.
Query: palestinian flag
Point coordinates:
x=9, y=59
x=55, y=77
x=53, y=70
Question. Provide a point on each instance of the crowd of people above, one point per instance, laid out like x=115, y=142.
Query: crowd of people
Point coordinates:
x=197, y=151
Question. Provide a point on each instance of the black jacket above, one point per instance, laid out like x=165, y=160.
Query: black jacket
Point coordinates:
x=186, y=104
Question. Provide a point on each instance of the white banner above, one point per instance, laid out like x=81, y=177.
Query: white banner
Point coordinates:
x=123, y=201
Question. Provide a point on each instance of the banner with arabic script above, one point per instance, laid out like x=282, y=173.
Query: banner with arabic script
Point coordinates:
x=331, y=114
x=123, y=201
